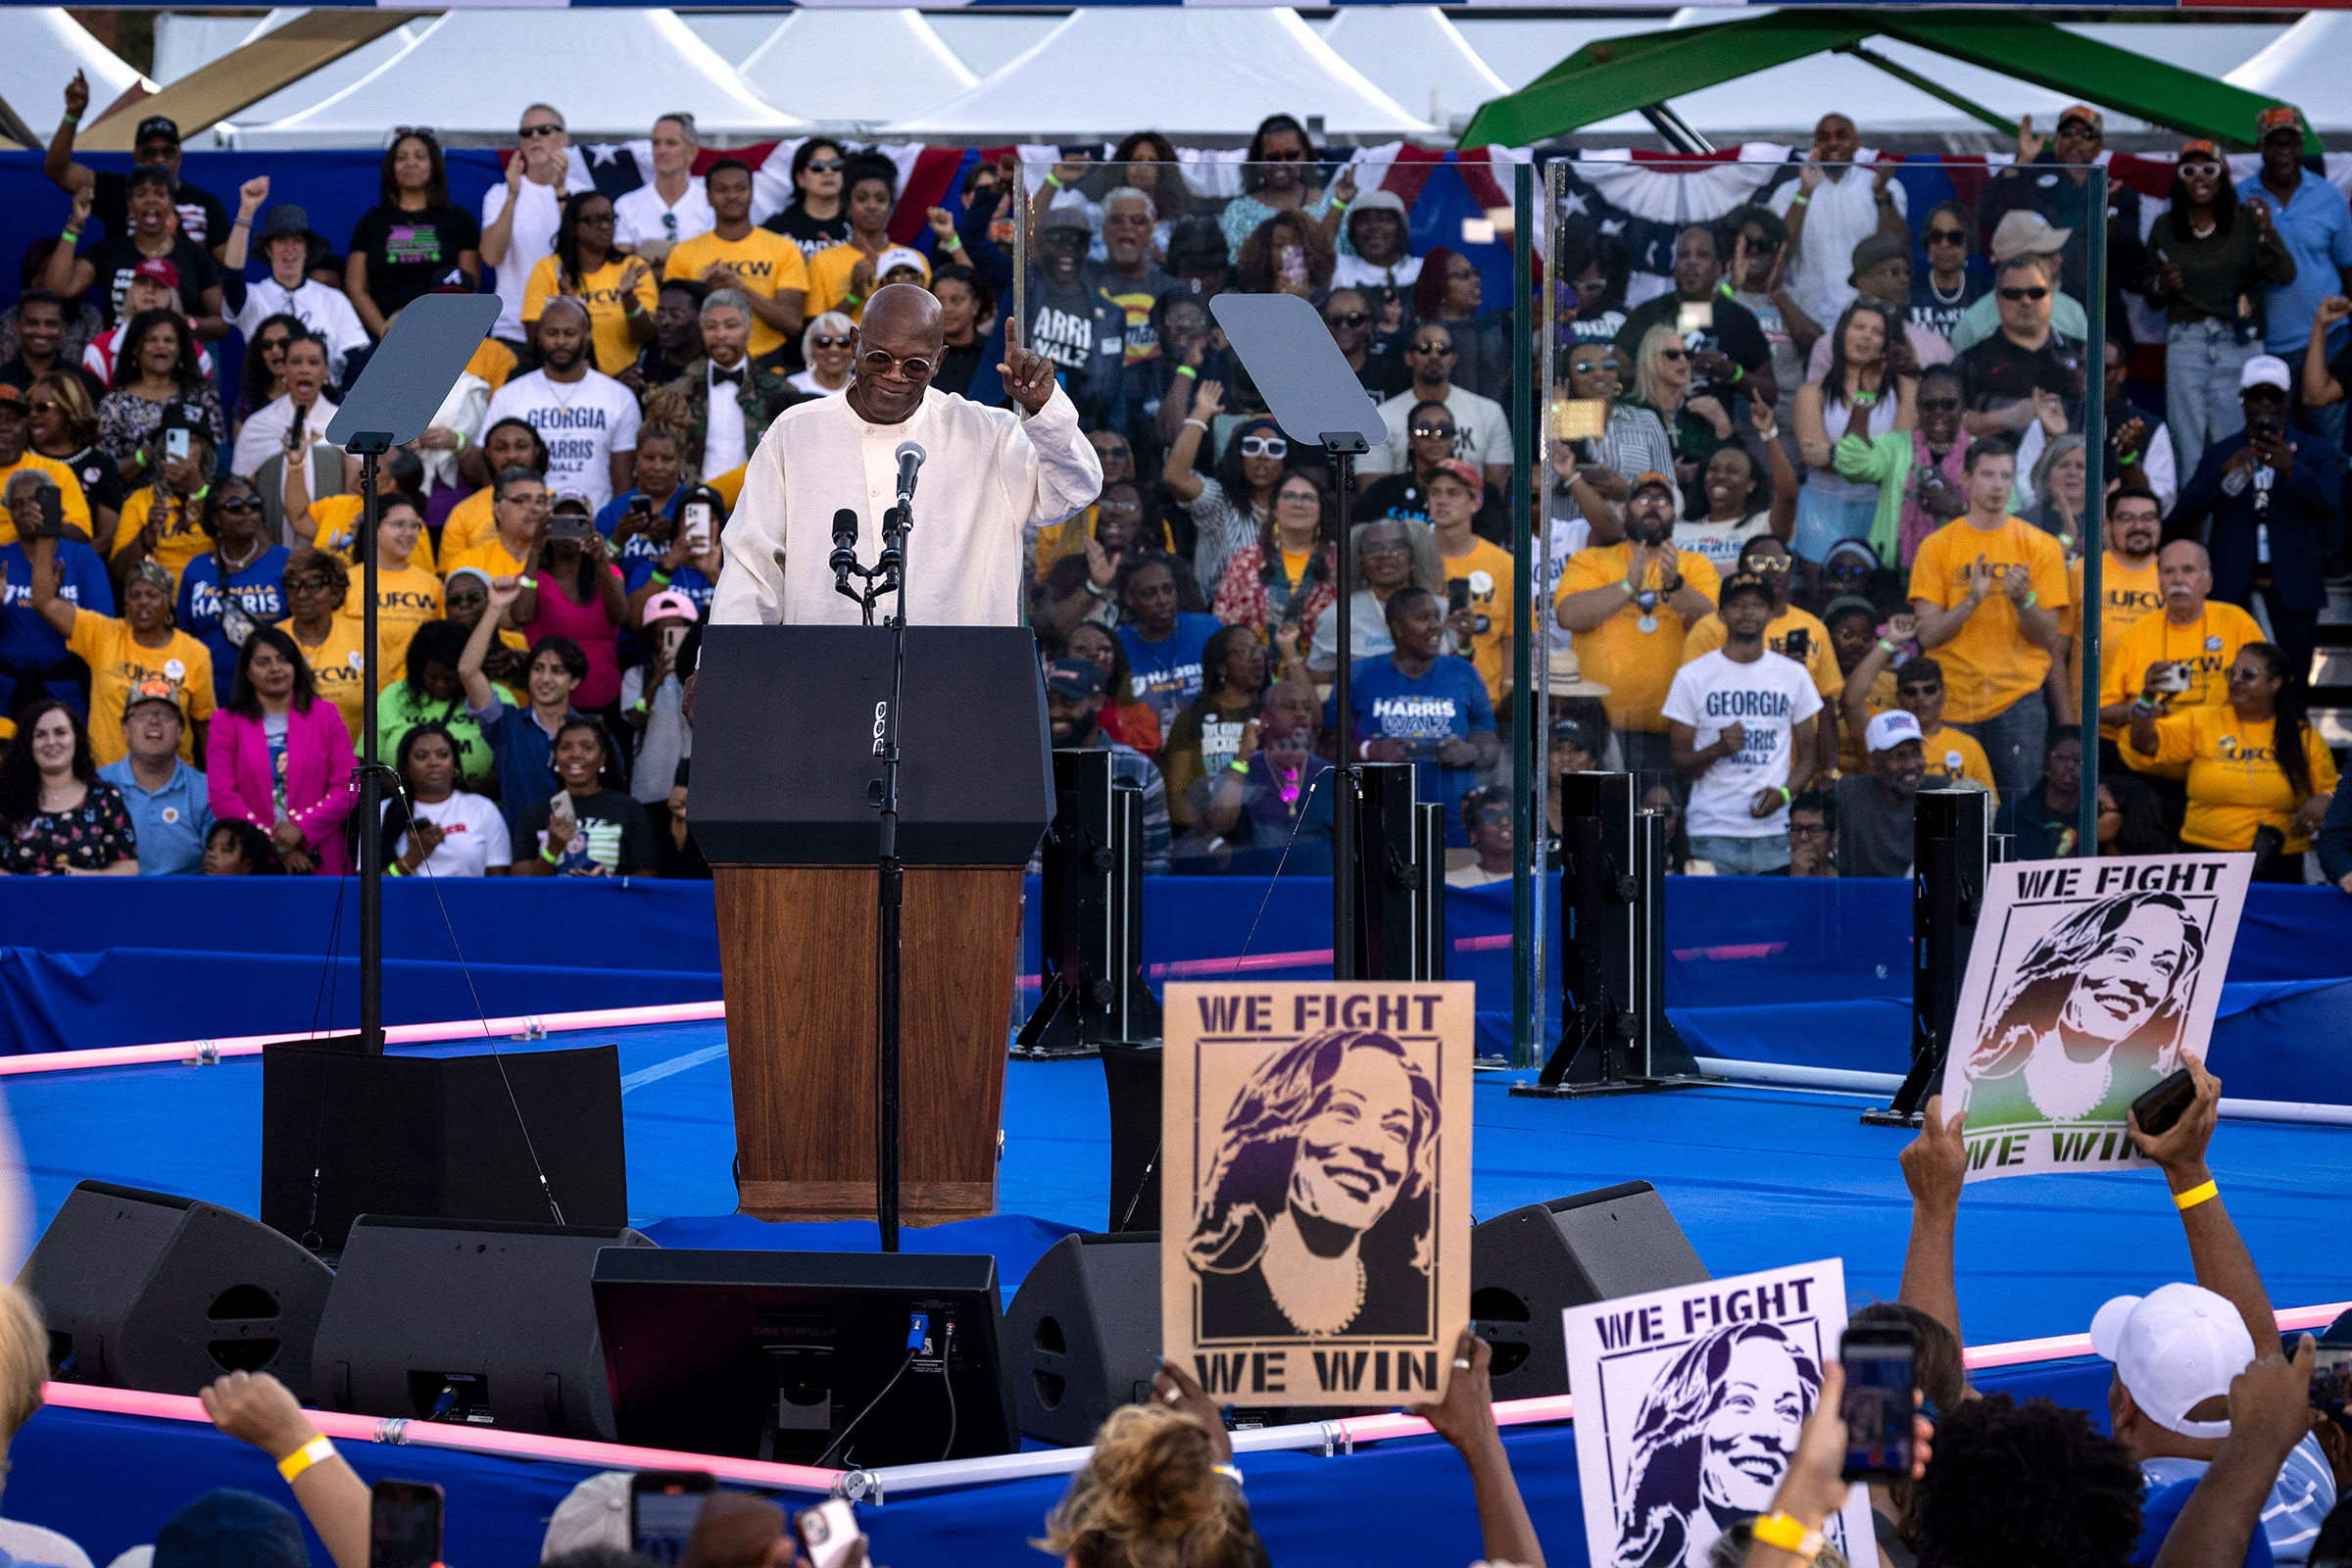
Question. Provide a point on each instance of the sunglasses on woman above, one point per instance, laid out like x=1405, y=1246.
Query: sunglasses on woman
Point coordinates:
x=1947, y=236
x=1264, y=446
x=1349, y=319
x=825, y=340
x=1433, y=431
x=1674, y=354
x=2202, y=165
x=238, y=503
x=825, y=166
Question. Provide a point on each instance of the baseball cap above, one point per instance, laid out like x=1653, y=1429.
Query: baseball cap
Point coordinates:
x=2174, y=1348
x=154, y=573
x=155, y=125
x=2278, y=117
x=1742, y=582
x=901, y=256
x=229, y=1528
x=2098, y=122
x=452, y=281
x=669, y=602
x=1649, y=479
x=2024, y=233
x=1074, y=677
x=2199, y=147
x=160, y=269
x=12, y=402
x=1457, y=468
x=1875, y=250
x=152, y=690
x=1056, y=217
x=594, y=1514
x=1891, y=729
x=1376, y=201
x=2265, y=369
x=572, y=501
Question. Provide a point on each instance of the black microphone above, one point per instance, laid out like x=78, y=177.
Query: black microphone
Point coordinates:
x=910, y=460
x=843, y=559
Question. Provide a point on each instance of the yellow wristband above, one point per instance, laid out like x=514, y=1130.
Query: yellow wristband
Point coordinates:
x=1780, y=1531
x=2184, y=1202
x=316, y=1452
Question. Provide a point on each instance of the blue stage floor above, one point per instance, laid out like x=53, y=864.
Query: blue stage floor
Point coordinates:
x=1757, y=1177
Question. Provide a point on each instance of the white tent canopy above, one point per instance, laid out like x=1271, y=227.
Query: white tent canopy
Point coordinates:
x=859, y=67
x=2306, y=66
x=1213, y=71
x=45, y=47
x=1415, y=56
x=611, y=70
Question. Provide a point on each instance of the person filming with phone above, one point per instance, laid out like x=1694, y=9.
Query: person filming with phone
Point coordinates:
x=2270, y=504
x=2260, y=778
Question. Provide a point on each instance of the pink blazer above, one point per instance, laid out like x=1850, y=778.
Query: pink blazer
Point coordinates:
x=319, y=794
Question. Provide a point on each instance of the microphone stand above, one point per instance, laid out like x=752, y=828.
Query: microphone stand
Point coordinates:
x=887, y=576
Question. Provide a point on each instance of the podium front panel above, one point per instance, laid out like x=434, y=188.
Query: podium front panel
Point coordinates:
x=785, y=763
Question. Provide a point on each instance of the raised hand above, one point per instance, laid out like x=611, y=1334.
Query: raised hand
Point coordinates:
x=503, y=591
x=1935, y=1164
x=252, y=194
x=77, y=95
x=1028, y=375
x=2029, y=143
x=1208, y=398
x=943, y=227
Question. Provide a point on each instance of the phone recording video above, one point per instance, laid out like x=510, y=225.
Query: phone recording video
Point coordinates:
x=1878, y=1407
x=664, y=1505
x=1694, y=316
x=696, y=514
x=1797, y=645
x=1457, y=595
x=403, y=1523
x=176, y=444
x=2159, y=1108
x=2331, y=1379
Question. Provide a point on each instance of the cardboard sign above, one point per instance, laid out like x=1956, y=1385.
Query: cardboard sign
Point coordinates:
x=1315, y=1208
x=2088, y=983
x=1688, y=1406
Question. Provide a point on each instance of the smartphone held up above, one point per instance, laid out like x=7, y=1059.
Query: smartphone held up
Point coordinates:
x=1878, y=1405
x=404, y=1524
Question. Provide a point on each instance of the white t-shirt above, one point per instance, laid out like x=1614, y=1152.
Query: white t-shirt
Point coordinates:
x=1482, y=431
x=1769, y=697
x=538, y=210
x=583, y=424
x=263, y=435
x=637, y=215
x=326, y=311
x=1722, y=542
x=476, y=836
x=1840, y=214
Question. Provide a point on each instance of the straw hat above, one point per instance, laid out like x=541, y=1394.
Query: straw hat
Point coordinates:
x=1567, y=679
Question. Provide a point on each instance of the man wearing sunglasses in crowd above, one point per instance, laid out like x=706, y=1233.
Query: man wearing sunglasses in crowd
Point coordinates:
x=1758, y=280
x=2024, y=372
x=991, y=478
x=520, y=214
x=2053, y=178
x=1482, y=430
x=1349, y=316
x=670, y=207
x=1728, y=352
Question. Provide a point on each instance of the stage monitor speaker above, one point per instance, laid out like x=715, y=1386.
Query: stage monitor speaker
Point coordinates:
x=1092, y=889
x=1131, y=1074
x=1082, y=1336
x=151, y=1291
x=432, y=1136
x=1400, y=878
x=478, y=1324
x=1528, y=1264
x=850, y=1360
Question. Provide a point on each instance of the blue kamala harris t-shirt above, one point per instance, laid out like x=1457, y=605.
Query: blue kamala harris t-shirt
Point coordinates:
x=1167, y=672
x=1447, y=700
x=260, y=590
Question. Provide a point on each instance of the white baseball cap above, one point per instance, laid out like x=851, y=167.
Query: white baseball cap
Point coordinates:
x=596, y=1513
x=2174, y=1348
x=2265, y=369
x=1891, y=729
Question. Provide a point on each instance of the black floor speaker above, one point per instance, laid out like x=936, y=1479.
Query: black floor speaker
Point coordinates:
x=479, y=1324
x=151, y=1290
x=440, y=1138
x=1528, y=1264
x=1131, y=1073
x=1082, y=1336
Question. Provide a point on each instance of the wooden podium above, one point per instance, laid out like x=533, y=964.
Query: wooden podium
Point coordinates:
x=783, y=769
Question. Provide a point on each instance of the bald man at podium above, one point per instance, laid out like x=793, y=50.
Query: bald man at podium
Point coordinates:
x=990, y=479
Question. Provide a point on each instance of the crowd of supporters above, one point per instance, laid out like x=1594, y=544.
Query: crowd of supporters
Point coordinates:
x=1813, y=540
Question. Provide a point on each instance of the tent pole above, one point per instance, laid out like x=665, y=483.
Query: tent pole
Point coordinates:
x=1910, y=77
x=1679, y=135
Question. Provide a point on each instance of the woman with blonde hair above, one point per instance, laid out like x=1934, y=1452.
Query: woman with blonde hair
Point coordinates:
x=1695, y=427
x=1153, y=1496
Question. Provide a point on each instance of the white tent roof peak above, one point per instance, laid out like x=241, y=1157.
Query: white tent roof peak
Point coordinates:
x=858, y=67
x=45, y=47
x=1415, y=56
x=2305, y=67
x=618, y=70
x=1215, y=71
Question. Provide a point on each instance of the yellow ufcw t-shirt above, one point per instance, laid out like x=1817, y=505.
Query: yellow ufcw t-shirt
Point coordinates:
x=338, y=522
x=469, y=523
x=1820, y=658
x=768, y=263
x=1992, y=662
x=493, y=557
x=1952, y=756
x=179, y=534
x=1487, y=567
x=2208, y=645
x=608, y=312
x=117, y=664
x=2235, y=784
x=72, y=504
x=1637, y=667
x=2126, y=594
x=337, y=667
x=829, y=280
x=405, y=600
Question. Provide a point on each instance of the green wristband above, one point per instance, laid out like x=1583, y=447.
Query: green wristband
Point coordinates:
x=547, y=852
